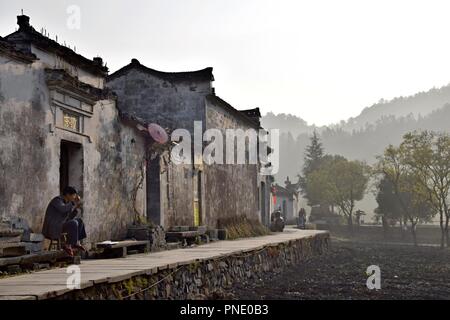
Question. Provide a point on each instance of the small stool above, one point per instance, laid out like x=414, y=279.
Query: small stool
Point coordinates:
x=57, y=244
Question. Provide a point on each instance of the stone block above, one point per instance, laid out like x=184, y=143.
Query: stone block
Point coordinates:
x=213, y=234
x=33, y=247
x=14, y=269
x=222, y=234
x=179, y=228
x=33, y=237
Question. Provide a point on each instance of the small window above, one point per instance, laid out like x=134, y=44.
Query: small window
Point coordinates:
x=71, y=121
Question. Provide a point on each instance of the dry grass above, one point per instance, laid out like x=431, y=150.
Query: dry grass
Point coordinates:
x=242, y=227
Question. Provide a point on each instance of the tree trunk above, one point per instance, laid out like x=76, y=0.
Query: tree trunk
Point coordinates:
x=350, y=224
x=385, y=227
x=447, y=240
x=402, y=231
x=414, y=234
x=443, y=231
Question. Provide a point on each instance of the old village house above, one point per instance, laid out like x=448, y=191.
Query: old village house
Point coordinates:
x=59, y=126
x=196, y=194
x=64, y=121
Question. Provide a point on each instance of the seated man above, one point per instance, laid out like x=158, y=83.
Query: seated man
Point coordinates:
x=61, y=217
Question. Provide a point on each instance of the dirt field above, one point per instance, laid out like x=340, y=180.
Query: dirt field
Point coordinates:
x=406, y=273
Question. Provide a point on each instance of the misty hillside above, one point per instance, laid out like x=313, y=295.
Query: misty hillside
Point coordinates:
x=421, y=103
x=286, y=123
x=364, y=143
x=366, y=135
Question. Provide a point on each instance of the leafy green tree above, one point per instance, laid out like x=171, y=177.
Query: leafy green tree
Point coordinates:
x=317, y=184
x=388, y=209
x=427, y=154
x=341, y=182
x=413, y=199
x=417, y=204
x=348, y=183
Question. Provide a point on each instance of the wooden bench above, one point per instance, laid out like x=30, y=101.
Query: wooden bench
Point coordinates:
x=120, y=249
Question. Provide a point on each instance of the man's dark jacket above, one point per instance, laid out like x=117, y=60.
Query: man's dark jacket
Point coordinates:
x=57, y=213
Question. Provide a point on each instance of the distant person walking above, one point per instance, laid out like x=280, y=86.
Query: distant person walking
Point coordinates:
x=301, y=222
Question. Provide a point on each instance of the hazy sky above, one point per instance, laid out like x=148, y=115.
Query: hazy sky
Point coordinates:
x=321, y=60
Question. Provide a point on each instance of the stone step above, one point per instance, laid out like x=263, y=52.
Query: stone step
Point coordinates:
x=10, y=232
x=4, y=245
x=12, y=249
x=41, y=257
x=14, y=239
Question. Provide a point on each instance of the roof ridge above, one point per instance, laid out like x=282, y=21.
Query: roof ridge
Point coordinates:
x=46, y=43
x=233, y=109
x=202, y=74
x=9, y=49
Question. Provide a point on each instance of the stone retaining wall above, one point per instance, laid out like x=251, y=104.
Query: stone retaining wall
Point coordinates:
x=201, y=279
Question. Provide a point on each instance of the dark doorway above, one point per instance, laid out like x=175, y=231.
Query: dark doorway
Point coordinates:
x=71, y=166
x=262, y=198
x=154, y=191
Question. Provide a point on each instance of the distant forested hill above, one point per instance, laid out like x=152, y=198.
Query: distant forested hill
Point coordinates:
x=384, y=123
x=429, y=110
x=421, y=103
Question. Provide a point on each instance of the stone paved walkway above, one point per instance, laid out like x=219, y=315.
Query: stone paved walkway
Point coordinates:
x=51, y=283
